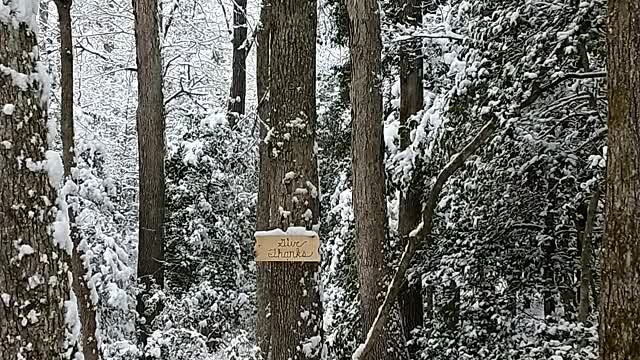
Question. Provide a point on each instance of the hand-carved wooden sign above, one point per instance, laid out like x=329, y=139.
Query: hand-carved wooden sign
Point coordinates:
x=294, y=245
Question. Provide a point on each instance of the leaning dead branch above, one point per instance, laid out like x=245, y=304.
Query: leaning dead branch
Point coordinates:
x=421, y=234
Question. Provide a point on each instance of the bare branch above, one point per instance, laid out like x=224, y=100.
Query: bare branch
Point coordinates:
x=79, y=45
x=527, y=226
x=181, y=92
x=167, y=64
x=224, y=12
x=170, y=20
x=421, y=234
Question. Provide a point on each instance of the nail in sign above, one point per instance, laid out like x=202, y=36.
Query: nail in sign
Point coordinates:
x=288, y=248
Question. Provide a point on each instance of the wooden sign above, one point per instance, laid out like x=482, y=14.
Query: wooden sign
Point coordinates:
x=288, y=247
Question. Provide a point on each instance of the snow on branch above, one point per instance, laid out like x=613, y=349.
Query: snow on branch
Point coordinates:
x=421, y=233
x=538, y=91
x=442, y=35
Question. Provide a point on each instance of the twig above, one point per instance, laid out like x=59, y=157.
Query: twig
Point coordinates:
x=84, y=48
x=448, y=35
x=167, y=64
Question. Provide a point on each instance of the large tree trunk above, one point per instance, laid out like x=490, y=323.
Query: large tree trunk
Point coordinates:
x=263, y=332
x=411, y=101
x=33, y=280
x=239, y=80
x=151, y=151
x=620, y=302
x=81, y=275
x=296, y=311
x=369, y=204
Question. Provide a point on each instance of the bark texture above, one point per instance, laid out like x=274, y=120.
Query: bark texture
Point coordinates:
x=86, y=306
x=263, y=333
x=239, y=80
x=296, y=311
x=620, y=294
x=33, y=280
x=151, y=142
x=411, y=101
x=369, y=204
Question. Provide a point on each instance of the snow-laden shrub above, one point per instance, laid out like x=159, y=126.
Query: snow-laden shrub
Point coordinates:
x=205, y=322
x=210, y=205
x=208, y=306
x=108, y=239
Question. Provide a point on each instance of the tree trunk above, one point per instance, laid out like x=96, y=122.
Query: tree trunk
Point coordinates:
x=296, y=311
x=580, y=220
x=239, y=80
x=151, y=142
x=34, y=282
x=620, y=290
x=411, y=101
x=66, y=80
x=585, y=259
x=262, y=208
x=369, y=204
x=151, y=151
x=451, y=310
x=81, y=275
x=549, y=248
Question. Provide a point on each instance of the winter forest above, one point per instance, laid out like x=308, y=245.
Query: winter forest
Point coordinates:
x=319, y=179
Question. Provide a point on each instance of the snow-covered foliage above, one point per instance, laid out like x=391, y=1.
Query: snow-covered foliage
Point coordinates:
x=208, y=309
x=506, y=233
x=209, y=253
x=211, y=205
x=507, y=225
